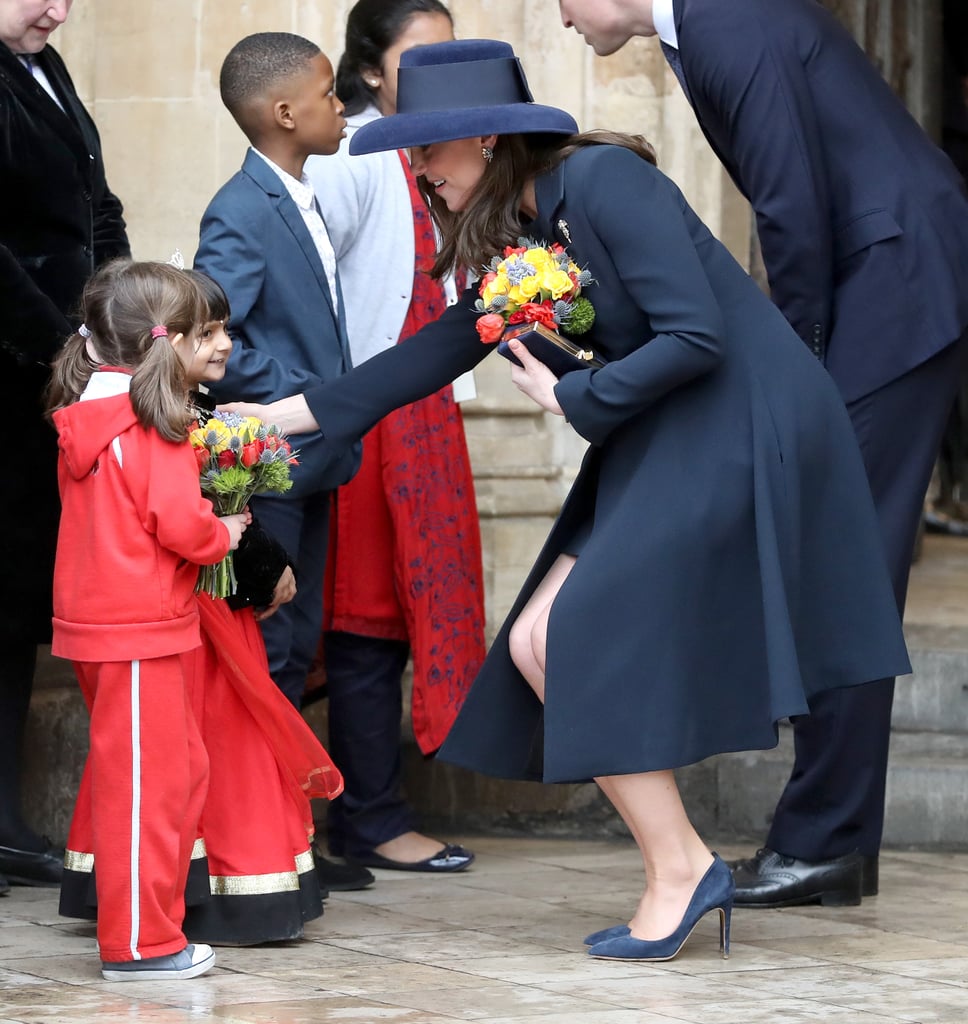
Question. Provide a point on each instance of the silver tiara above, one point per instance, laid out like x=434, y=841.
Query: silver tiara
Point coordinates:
x=177, y=260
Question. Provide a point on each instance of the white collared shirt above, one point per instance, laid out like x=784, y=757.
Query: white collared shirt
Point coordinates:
x=304, y=197
x=29, y=61
x=664, y=20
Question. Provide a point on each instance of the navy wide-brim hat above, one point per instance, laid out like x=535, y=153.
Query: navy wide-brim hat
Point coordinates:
x=456, y=90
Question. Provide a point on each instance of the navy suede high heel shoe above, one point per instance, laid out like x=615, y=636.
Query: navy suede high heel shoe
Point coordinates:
x=714, y=892
x=615, y=932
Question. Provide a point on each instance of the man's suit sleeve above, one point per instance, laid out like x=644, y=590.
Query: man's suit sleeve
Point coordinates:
x=232, y=251
x=748, y=84
x=32, y=328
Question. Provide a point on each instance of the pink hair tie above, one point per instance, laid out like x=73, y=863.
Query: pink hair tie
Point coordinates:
x=159, y=331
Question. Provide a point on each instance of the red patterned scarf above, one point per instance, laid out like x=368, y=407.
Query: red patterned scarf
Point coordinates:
x=405, y=549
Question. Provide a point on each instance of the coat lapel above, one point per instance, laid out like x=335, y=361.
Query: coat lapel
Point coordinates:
x=66, y=123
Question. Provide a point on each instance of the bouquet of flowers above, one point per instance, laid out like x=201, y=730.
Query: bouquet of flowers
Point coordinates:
x=238, y=456
x=533, y=284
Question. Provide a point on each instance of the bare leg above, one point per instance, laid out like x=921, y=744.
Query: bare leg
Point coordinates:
x=528, y=636
x=673, y=855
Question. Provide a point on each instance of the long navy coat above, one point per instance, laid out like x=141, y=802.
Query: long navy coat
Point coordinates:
x=733, y=568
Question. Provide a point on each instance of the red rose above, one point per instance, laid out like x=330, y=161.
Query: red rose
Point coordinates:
x=250, y=453
x=201, y=457
x=226, y=459
x=540, y=313
x=490, y=327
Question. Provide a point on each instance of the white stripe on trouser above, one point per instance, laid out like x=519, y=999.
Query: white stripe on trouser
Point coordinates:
x=135, y=805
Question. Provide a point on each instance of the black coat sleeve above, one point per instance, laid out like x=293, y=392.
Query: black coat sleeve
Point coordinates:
x=32, y=328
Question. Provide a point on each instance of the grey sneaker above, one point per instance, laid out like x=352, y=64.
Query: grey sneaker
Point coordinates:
x=189, y=962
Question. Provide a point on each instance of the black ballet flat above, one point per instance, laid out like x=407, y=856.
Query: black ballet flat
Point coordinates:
x=448, y=859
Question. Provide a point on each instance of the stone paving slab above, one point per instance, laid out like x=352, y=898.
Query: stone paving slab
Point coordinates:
x=502, y=943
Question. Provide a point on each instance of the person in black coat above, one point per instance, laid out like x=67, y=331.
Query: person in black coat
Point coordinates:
x=58, y=223
x=716, y=564
x=863, y=224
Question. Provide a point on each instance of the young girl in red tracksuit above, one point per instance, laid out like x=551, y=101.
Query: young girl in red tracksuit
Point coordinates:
x=134, y=529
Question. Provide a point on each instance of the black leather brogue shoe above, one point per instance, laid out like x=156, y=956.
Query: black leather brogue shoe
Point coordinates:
x=772, y=880
x=871, y=875
x=29, y=867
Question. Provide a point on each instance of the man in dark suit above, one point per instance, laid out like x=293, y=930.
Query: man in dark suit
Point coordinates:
x=863, y=224
x=58, y=222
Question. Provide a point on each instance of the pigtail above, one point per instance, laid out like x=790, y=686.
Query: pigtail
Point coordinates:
x=159, y=389
x=70, y=372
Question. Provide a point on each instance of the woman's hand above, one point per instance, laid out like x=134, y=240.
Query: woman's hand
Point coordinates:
x=284, y=592
x=534, y=379
x=236, y=525
x=246, y=409
x=291, y=415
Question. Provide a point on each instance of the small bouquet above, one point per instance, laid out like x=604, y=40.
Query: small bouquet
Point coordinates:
x=534, y=284
x=238, y=456
x=533, y=292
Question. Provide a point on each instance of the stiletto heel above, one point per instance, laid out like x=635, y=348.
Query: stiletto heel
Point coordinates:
x=714, y=892
x=725, y=913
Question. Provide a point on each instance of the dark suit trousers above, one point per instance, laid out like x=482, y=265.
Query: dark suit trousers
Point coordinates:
x=301, y=526
x=834, y=801
x=363, y=682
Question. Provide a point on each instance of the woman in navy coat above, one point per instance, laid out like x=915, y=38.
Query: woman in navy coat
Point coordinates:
x=717, y=561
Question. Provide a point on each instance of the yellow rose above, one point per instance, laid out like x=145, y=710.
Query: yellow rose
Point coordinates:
x=499, y=286
x=557, y=282
x=516, y=297
x=214, y=436
x=540, y=259
x=530, y=286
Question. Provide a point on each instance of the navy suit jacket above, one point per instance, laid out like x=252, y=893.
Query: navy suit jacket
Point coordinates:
x=863, y=221
x=286, y=335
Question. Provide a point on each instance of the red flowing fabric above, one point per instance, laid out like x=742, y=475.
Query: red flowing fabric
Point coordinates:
x=405, y=547
x=303, y=763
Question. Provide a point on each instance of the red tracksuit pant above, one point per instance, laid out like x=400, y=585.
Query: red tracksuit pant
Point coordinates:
x=147, y=773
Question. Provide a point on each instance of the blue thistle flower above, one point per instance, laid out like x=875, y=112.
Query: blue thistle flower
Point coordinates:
x=518, y=271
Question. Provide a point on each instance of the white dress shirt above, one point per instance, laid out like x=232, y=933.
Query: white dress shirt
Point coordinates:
x=40, y=76
x=304, y=197
x=664, y=20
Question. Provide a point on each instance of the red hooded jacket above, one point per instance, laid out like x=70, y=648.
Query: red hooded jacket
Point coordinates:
x=134, y=528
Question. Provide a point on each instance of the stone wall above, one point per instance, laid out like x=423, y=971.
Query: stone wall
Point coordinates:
x=149, y=71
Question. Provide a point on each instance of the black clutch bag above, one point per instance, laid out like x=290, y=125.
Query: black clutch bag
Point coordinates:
x=560, y=354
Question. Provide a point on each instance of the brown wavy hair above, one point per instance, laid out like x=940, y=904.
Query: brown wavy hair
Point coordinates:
x=120, y=305
x=492, y=217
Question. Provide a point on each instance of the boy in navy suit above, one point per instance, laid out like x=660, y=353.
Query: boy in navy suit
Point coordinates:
x=263, y=239
x=864, y=236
